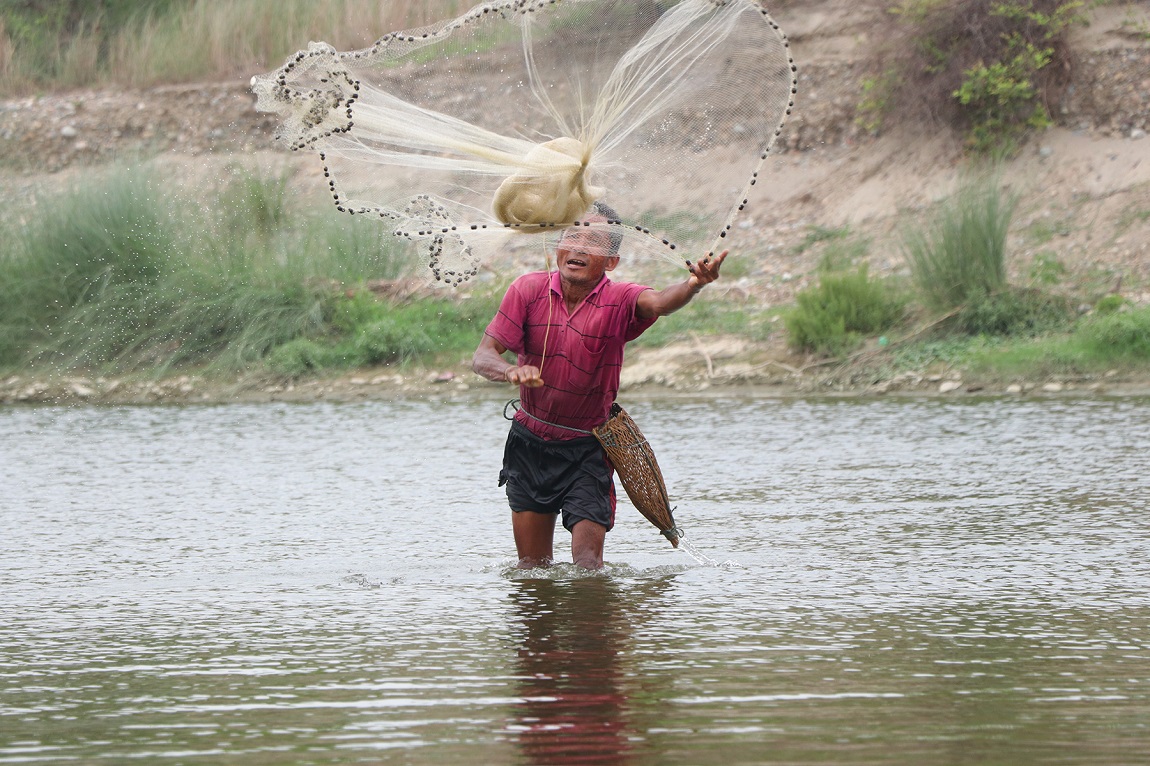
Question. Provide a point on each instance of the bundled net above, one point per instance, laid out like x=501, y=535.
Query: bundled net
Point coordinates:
x=639, y=473
x=515, y=117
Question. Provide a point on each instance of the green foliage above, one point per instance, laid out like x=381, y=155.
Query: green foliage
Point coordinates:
x=990, y=68
x=877, y=93
x=1108, y=304
x=841, y=255
x=1013, y=312
x=393, y=340
x=832, y=317
x=253, y=202
x=121, y=274
x=89, y=244
x=1099, y=343
x=54, y=39
x=1001, y=99
x=961, y=254
x=709, y=314
x=302, y=356
x=56, y=44
x=952, y=351
x=958, y=265
x=1047, y=269
x=1124, y=334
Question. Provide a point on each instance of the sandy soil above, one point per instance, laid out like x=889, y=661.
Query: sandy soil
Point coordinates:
x=1084, y=187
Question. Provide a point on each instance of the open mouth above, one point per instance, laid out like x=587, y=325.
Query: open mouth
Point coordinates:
x=578, y=262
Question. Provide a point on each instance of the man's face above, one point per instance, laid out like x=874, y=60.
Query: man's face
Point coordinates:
x=584, y=254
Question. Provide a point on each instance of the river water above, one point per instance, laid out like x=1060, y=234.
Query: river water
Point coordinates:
x=897, y=582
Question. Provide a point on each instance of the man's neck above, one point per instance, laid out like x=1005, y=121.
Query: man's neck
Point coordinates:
x=574, y=294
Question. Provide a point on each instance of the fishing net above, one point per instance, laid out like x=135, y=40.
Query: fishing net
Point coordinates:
x=513, y=118
x=639, y=473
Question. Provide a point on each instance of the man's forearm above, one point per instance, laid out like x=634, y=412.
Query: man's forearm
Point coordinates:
x=490, y=365
x=673, y=298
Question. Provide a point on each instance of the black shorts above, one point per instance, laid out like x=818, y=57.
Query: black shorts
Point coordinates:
x=572, y=477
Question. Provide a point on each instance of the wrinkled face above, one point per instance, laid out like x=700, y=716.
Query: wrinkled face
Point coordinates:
x=585, y=254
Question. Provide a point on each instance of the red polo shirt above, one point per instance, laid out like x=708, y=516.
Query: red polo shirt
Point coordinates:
x=580, y=353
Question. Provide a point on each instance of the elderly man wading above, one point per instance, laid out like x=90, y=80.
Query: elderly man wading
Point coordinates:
x=567, y=330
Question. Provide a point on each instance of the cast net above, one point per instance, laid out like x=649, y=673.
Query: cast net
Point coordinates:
x=639, y=473
x=513, y=118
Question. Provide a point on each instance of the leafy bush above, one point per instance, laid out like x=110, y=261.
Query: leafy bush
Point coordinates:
x=1002, y=101
x=991, y=68
x=1108, y=304
x=961, y=255
x=832, y=317
x=1125, y=334
x=301, y=356
x=1013, y=312
x=393, y=340
x=254, y=203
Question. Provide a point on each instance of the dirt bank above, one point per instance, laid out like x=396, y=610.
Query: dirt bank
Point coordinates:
x=1084, y=187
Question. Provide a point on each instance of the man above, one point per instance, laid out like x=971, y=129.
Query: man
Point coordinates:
x=568, y=331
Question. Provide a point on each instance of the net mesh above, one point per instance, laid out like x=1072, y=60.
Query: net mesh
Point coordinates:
x=513, y=118
x=634, y=462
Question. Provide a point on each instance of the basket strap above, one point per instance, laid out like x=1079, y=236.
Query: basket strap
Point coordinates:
x=514, y=405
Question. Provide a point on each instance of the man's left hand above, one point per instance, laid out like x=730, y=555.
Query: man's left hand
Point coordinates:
x=706, y=271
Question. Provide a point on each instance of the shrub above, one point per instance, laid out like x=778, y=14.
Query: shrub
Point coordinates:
x=832, y=317
x=301, y=356
x=1125, y=334
x=991, y=68
x=961, y=255
x=1108, y=304
x=1013, y=312
x=392, y=340
x=1001, y=99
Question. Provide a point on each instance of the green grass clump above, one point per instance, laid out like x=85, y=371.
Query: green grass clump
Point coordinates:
x=845, y=306
x=961, y=255
x=122, y=275
x=958, y=267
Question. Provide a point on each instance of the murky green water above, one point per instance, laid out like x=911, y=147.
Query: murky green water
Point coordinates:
x=903, y=582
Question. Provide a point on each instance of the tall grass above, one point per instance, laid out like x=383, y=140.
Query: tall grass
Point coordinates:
x=962, y=253
x=119, y=274
x=231, y=38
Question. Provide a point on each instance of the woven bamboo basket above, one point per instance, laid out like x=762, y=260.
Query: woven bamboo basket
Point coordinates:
x=639, y=473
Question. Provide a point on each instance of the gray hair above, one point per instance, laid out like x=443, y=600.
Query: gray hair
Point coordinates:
x=608, y=212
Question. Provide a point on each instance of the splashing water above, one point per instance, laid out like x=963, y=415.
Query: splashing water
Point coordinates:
x=703, y=558
x=518, y=115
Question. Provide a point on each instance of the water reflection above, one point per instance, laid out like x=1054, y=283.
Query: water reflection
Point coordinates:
x=573, y=644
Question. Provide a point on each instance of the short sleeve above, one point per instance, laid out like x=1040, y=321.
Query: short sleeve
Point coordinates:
x=508, y=325
x=637, y=326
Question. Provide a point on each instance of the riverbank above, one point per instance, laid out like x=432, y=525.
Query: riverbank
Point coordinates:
x=1081, y=228
x=724, y=367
